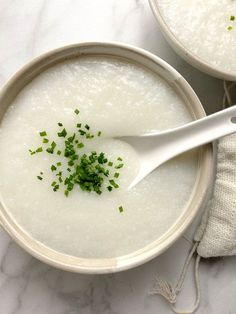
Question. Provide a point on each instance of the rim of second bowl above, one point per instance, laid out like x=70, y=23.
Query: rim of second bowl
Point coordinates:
x=110, y=265
x=183, y=51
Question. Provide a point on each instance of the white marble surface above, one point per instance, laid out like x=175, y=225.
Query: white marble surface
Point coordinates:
x=28, y=28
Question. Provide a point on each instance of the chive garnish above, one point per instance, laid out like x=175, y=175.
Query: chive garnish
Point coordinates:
x=31, y=152
x=89, y=136
x=39, y=150
x=112, y=182
x=232, y=18
x=80, y=145
x=63, y=133
x=53, y=168
x=229, y=28
x=88, y=171
x=49, y=150
x=121, y=209
x=119, y=166
x=82, y=132
x=56, y=187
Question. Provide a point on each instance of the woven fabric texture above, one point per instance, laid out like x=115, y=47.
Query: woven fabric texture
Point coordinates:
x=217, y=232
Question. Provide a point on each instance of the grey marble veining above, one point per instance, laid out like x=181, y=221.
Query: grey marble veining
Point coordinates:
x=28, y=28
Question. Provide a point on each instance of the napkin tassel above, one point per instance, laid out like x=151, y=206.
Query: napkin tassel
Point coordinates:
x=165, y=289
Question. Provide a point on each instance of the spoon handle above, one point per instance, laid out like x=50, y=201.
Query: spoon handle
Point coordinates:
x=156, y=148
x=201, y=131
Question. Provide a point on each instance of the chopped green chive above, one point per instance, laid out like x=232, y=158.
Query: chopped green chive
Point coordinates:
x=87, y=126
x=119, y=158
x=53, y=183
x=99, y=133
x=41, y=173
x=232, y=18
x=45, y=140
x=110, y=163
x=78, y=125
x=31, y=152
x=43, y=133
x=109, y=188
x=71, y=163
x=63, y=133
x=49, y=150
x=80, y=145
x=119, y=166
x=229, y=28
x=76, y=111
x=40, y=178
x=81, y=132
x=53, y=168
x=116, y=175
x=39, y=150
x=56, y=187
x=58, y=164
x=59, y=152
x=112, y=182
x=121, y=209
x=60, y=124
x=89, y=136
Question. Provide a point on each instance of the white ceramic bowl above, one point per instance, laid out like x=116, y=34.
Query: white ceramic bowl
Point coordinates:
x=184, y=52
x=177, y=82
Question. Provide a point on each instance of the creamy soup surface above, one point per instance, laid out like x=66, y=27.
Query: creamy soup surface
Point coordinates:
x=205, y=27
x=116, y=98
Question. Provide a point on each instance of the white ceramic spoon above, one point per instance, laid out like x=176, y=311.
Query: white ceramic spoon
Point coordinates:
x=154, y=149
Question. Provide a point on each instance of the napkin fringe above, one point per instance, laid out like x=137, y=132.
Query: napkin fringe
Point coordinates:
x=170, y=293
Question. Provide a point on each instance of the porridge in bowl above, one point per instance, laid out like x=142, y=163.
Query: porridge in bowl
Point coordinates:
x=205, y=29
x=104, y=97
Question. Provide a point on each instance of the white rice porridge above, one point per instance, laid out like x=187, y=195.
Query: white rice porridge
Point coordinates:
x=207, y=28
x=116, y=98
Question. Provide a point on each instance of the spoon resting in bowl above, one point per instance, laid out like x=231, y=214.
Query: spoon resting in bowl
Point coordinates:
x=154, y=149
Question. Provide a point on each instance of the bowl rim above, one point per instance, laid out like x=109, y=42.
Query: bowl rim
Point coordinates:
x=111, y=265
x=183, y=51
